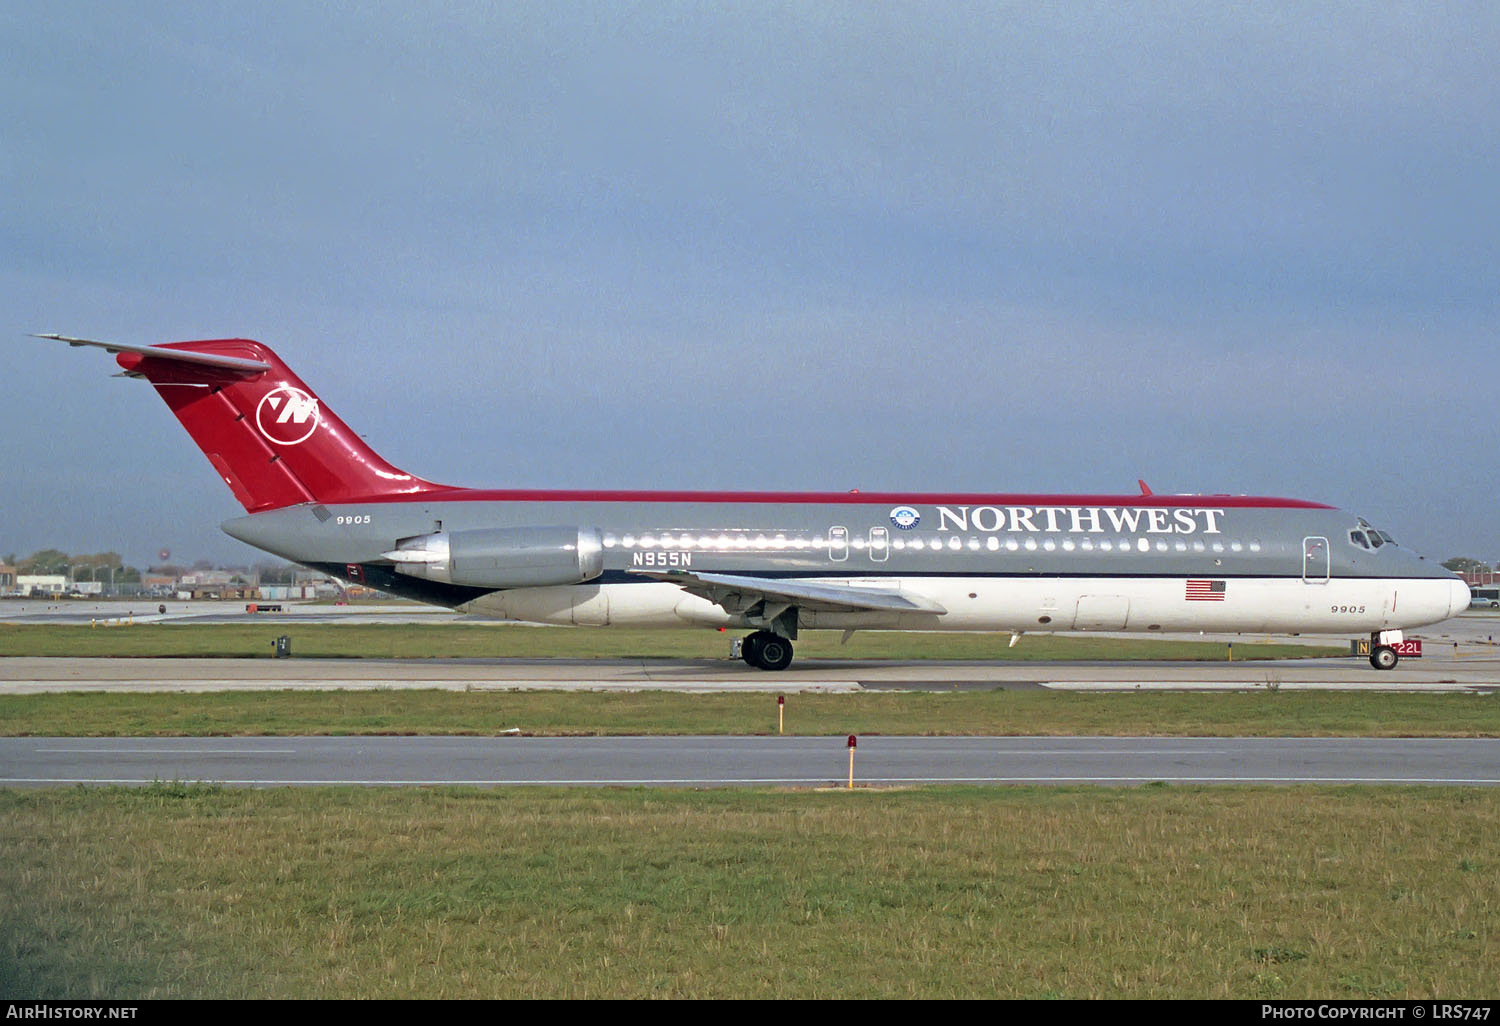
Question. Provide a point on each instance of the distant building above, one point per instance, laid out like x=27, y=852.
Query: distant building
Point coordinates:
x=279, y=592
x=160, y=585
x=187, y=591
x=205, y=579
x=41, y=584
x=7, y=579
x=1478, y=577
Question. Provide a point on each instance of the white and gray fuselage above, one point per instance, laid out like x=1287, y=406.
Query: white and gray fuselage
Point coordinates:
x=967, y=562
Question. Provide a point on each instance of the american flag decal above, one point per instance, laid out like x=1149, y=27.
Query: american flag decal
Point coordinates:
x=1205, y=591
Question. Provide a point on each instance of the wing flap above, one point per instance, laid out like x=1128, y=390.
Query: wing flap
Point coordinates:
x=736, y=593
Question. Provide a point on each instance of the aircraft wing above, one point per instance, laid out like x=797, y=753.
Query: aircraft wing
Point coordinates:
x=737, y=594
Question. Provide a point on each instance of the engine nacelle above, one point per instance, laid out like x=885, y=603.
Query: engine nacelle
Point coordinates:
x=503, y=557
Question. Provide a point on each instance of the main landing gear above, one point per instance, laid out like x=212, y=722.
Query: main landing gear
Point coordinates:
x=767, y=651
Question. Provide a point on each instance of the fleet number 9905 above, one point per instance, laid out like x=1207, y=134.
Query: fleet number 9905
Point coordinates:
x=363, y=518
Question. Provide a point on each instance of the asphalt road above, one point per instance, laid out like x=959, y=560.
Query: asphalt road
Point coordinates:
x=744, y=761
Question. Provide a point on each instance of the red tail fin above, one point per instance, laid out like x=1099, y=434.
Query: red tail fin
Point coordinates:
x=270, y=438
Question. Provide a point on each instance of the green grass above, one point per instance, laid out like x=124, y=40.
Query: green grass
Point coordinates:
x=189, y=891
x=481, y=640
x=1263, y=713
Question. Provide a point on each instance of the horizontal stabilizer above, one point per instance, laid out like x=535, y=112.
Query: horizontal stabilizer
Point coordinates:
x=725, y=589
x=233, y=363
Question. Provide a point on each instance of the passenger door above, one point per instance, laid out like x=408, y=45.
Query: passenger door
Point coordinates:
x=1315, y=560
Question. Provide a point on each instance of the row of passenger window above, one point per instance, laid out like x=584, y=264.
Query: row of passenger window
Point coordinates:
x=881, y=542
x=1117, y=545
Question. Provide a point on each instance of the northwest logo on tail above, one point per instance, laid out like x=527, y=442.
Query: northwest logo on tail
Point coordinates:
x=287, y=415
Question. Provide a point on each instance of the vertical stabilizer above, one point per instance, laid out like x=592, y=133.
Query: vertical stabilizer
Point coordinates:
x=266, y=433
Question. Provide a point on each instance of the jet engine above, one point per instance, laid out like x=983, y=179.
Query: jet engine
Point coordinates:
x=503, y=557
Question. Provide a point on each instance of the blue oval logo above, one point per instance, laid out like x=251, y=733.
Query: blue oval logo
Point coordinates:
x=905, y=518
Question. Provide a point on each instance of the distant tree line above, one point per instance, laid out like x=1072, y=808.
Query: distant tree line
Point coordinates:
x=98, y=566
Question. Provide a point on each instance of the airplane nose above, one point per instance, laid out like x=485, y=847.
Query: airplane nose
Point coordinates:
x=1458, y=599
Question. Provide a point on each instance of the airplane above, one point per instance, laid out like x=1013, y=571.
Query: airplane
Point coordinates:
x=777, y=563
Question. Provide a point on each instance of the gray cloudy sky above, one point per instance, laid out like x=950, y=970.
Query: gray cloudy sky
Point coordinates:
x=1010, y=247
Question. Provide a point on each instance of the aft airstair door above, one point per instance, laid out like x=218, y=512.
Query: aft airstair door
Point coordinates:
x=1101, y=613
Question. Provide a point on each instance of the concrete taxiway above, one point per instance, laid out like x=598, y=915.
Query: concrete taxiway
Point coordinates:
x=1479, y=671
x=153, y=610
x=1462, y=654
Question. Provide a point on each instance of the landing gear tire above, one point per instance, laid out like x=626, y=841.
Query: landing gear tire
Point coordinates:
x=750, y=648
x=767, y=651
x=775, y=653
x=1383, y=657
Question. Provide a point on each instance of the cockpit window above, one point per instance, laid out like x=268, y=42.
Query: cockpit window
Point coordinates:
x=1367, y=536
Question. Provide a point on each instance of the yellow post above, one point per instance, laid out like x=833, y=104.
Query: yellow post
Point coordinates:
x=852, y=742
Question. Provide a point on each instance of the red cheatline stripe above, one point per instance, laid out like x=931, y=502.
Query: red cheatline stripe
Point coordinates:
x=439, y=494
